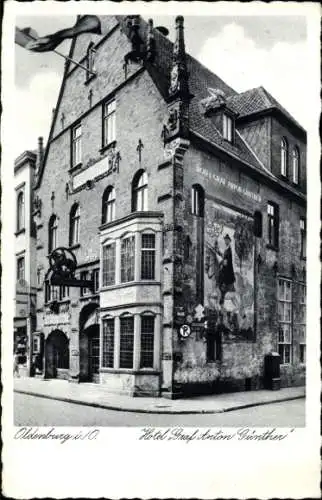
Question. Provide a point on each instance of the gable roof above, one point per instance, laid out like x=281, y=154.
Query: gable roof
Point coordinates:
x=257, y=100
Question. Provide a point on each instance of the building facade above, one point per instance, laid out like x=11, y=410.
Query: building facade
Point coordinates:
x=25, y=257
x=184, y=203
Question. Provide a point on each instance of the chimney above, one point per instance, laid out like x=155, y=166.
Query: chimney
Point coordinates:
x=40, y=153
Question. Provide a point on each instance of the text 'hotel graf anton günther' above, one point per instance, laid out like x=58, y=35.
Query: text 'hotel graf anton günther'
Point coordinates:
x=169, y=233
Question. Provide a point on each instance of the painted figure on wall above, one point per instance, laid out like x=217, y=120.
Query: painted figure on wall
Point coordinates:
x=229, y=273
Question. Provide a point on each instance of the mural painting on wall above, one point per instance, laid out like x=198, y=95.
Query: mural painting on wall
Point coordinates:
x=229, y=271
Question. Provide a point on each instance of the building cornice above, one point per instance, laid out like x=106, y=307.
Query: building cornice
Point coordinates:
x=25, y=157
x=130, y=217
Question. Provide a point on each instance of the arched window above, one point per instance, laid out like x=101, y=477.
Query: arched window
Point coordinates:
x=20, y=211
x=197, y=200
x=74, y=218
x=295, y=165
x=90, y=59
x=284, y=155
x=140, y=192
x=108, y=205
x=52, y=233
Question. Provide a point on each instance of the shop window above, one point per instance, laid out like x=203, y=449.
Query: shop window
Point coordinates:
x=284, y=297
x=147, y=341
x=273, y=224
x=20, y=211
x=197, y=200
x=108, y=343
x=127, y=259
x=140, y=192
x=258, y=224
x=109, y=122
x=284, y=156
x=108, y=205
x=108, y=271
x=20, y=268
x=52, y=233
x=77, y=145
x=74, y=218
x=295, y=165
x=148, y=257
x=302, y=238
x=126, y=342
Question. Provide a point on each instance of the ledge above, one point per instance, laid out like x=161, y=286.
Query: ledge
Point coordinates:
x=131, y=216
x=108, y=146
x=75, y=168
x=21, y=231
x=74, y=247
x=90, y=78
x=130, y=371
x=129, y=283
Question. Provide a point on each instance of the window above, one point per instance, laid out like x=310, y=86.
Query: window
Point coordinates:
x=52, y=233
x=302, y=323
x=127, y=259
x=148, y=257
x=303, y=238
x=76, y=145
x=84, y=276
x=140, y=192
x=126, y=342
x=20, y=211
x=51, y=292
x=74, y=218
x=197, y=200
x=284, y=297
x=228, y=128
x=284, y=155
x=109, y=123
x=147, y=341
x=108, y=205
x=63, y=292
x=90, y=58
x=273, y=224
x=20, y=268
x=108, y=271
x=108, y=343
x=95, y=277
x=295, y=165
x=258, y=224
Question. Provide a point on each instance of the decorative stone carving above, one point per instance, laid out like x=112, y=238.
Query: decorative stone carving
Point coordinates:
x=37, y=204
x=215, y=100
x=150, y=43
x=114, y=158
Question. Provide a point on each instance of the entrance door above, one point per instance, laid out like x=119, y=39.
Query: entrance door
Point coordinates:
x=93, y=355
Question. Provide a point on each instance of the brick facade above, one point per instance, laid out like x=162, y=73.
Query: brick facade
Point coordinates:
x=174, y=160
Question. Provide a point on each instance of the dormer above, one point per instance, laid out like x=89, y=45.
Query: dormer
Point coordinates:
x=216, y=109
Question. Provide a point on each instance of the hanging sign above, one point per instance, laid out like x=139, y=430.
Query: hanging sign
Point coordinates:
x=185, y=331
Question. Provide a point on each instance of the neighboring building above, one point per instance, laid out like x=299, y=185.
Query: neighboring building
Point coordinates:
x=185, y=203
x=25, y=257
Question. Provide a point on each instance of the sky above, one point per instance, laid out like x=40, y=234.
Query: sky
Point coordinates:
x=245, y=51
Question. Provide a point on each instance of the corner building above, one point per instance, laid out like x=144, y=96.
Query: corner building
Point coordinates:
x=185, y=203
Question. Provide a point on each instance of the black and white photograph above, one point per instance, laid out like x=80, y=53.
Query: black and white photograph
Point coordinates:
x=159, y=228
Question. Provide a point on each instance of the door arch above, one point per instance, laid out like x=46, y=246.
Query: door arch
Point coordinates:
x=89, y=343
x=56, y=353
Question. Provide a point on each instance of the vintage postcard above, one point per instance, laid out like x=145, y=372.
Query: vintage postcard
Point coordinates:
x=160, y=264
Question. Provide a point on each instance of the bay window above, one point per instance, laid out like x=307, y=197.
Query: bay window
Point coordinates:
x=148, y=257
x=108, y=274
x=108, y=343
x=127, y=259
x=126, y=342
x=284, y=297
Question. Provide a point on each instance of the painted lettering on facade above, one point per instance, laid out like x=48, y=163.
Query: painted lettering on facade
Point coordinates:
x=228, y=184
x=229, y=271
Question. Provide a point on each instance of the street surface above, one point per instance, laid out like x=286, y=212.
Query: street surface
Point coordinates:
x=37, y=411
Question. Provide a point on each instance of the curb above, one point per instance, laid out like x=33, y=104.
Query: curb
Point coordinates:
x=155, y=411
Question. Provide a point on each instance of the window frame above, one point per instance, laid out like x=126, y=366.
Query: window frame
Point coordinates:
x=273, y=222
x=284, y=157
x=197, y=200
x=52, y=233
x=296, y=165
x=140, y=185
x=108, y=205
x=127, y=260
x=108, y=123
x=228, y=128
x=21, y=260
x=303, y=237
x=21, y=212
x=111, y=271
x=127, y=339
x=281, y=302
x=147, y=344
x=74, y=223
x=301, y=325
x=108, y=353
x=76, y=153
x=90, y=64
x=148, y=252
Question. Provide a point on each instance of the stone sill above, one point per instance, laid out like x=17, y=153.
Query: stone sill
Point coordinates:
x=108, y=146
x=129, y=283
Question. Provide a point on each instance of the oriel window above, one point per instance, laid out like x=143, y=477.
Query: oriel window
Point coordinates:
x=273, y=224
x=127, y=259
x=77, y=145
x=109, y=122
x=108, y=271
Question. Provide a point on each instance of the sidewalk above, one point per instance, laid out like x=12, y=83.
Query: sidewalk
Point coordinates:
x=96, y=395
